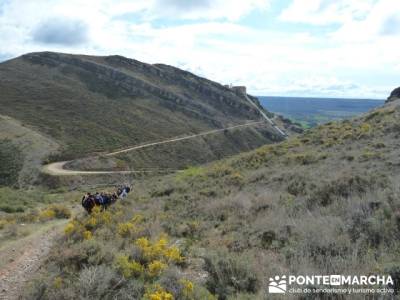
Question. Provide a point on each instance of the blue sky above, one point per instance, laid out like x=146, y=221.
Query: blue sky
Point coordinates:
x=331, y=48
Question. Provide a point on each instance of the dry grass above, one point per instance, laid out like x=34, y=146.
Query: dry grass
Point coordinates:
x=299, y=207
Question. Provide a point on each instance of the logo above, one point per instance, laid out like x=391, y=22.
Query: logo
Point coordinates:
x=277, y=285
x=331, y=284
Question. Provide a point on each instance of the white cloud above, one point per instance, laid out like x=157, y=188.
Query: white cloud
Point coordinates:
x=216, y=46
x=325, y=12
x=206, y=9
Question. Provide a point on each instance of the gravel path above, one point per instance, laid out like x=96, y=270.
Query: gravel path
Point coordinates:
x=24, y=263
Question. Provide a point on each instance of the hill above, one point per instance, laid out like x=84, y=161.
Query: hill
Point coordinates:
x=22, y=151
x=394, y=95
x=324, y=202
x=89, y=104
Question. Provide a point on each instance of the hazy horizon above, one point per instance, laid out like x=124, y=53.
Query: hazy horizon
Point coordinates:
x=317, y=97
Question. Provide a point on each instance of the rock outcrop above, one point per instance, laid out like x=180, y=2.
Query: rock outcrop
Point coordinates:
x=394, y=95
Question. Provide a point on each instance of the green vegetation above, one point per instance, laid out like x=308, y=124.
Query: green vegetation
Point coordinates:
x=117, y=254
x=15, y=200
x=317, y=203
x=10, y=163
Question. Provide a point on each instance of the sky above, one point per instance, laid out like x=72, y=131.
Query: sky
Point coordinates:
x=314, y=48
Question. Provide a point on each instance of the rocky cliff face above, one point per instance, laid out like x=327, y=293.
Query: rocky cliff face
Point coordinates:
x=394, y=95
x=119, y=76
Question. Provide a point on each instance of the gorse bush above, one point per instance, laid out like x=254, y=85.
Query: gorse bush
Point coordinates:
x=121, y=249
x=58, y=211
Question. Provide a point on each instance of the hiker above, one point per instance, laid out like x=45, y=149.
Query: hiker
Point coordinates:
x=88, y=202
x=124, y=192
x=98, y=198
x=114, y=198
x=85, y=197
x=106, y=200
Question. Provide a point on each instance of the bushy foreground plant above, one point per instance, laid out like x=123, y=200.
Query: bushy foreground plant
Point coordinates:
x=120, y=249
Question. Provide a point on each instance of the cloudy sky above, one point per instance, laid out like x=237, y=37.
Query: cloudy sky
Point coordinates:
x=334, y=48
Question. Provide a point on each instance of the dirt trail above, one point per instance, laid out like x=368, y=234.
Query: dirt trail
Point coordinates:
x=22, y=258
x=57, y=169
x=263, y=114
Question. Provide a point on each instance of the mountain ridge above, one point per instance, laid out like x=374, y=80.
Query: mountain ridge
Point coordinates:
x=94, y=104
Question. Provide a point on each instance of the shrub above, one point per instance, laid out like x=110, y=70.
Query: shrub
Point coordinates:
x=220, y=170
x=47, y=214
x=158, y=250
x=125, y=229
x=156, y=292
x=11, y=209
x=11, y=161
x=61, y=211
x=55, y=211
x=95, y=282
x=127, y=267
x=344, y=187
x=364, y=130
x=191, y=173
x=229, y=274
x=368, y=155
x=87, y=235
x=3, y=223
x=155, y=268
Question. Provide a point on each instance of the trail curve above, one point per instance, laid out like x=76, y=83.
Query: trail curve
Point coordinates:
x=57, y=168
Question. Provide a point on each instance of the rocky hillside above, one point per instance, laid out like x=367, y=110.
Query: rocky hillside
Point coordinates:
x=394, y=95
x=324, y=202
x=92, y=104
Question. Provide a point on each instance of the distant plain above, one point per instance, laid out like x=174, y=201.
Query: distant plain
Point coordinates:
x=310, y=112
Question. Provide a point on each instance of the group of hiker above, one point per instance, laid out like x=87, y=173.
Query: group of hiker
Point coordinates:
x=103, y=199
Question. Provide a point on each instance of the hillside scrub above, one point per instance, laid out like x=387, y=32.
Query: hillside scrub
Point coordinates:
x=10, y=163
x=303, y=206
x=133, y=258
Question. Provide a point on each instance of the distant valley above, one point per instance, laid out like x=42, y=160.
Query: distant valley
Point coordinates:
x=310, y=112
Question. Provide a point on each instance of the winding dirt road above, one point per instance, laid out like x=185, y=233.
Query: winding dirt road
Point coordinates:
x=57, y=168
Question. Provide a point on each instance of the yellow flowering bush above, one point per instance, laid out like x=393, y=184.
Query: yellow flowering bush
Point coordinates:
x=138, y=218
x=155, y=268
x=127, y=267
x=159, y=250
x=70, y=228
x=57, y=283
x=91, y=222
x=173, y=254
x=125, y=229
x=3, y=223
x=75, y=230
x=87, y=235
x=47, y=214
x=157, y=293
x=101, y=217
x=188, y=287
